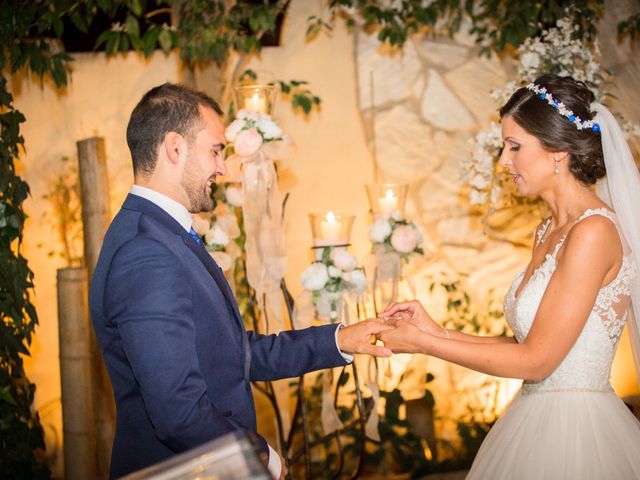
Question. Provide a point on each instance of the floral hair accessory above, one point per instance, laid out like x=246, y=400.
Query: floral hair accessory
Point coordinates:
x=580, y=124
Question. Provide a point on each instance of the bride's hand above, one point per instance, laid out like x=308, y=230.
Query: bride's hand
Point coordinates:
x=415, y=313
x=403, y=338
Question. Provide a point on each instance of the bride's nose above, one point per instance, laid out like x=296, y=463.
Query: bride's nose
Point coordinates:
x=504, y=160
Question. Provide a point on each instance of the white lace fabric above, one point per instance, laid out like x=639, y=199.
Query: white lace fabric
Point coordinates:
x=588, y=365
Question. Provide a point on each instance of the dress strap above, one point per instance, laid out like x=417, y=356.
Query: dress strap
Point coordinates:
x=605, y=212
x=542, y=230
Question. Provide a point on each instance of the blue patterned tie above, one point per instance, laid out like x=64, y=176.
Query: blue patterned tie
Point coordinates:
x=196, y=237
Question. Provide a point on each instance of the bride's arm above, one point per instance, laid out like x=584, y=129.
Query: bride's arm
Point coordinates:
x=421, y=319
x=414, y=312
x=590, y=258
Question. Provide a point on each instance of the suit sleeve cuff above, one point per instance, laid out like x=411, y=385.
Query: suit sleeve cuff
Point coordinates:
x=274, y=467
x=347, y=358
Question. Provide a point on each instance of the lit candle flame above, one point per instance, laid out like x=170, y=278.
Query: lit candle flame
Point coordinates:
x=389, y=193
x=331, y=217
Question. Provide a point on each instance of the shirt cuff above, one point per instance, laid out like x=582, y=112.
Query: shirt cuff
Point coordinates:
x=275, y=466
x=347, y=358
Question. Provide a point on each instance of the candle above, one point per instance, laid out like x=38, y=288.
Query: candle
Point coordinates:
x=389, y=202
x=255, y=103
x=330, y=228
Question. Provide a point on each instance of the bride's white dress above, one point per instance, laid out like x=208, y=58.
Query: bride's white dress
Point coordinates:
x=571, y=425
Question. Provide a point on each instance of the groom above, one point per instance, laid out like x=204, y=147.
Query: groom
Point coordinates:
x=177, y=353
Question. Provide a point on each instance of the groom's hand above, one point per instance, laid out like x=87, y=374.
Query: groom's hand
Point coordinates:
x=357, y=338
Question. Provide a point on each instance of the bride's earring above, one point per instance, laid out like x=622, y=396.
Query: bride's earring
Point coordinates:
x=557, y=170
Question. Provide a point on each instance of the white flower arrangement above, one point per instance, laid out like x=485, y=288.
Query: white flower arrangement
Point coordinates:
x=329, y=278
x=250, y=130
x=396, y=235
x=557, y=50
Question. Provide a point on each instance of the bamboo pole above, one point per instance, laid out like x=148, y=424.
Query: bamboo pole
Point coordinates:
x=94, y=193
x=80, y=460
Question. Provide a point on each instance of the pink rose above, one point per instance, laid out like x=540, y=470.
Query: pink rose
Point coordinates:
x=404, y=239
x=247, y=142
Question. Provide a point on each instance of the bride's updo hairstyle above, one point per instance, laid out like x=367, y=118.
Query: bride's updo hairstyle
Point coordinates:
x=556, y=131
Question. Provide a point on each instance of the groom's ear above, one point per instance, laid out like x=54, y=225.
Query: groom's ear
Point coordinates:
x=175, y=147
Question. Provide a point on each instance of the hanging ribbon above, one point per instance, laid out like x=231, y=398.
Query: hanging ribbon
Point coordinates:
x=263, y=223
x=386, y=277
x=328, y=415
x=371, y=428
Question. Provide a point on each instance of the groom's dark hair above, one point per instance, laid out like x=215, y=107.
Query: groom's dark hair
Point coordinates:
x=163, y=109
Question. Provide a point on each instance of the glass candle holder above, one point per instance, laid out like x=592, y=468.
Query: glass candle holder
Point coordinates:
x=330, y=229
x=387, y=199
x=256, y=98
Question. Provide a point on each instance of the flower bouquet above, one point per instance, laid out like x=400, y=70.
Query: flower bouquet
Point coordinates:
x=329, y=278
x=394, y=239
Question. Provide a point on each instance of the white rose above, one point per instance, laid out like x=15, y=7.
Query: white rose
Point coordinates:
x=223, y=260
x=404, y=239
x=379, y=231
x=357, y=281
x=229, y=224
x=315, y=276
x=268, y=128
x=233, y=129
x=234, y=196
x=200, y=225
x=343, y=260
x=216, y=236
x=334, y=272
x=242, y=114
x=247, y=142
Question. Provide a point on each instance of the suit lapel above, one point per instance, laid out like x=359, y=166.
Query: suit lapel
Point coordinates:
x=134, y=202
x=215, y=271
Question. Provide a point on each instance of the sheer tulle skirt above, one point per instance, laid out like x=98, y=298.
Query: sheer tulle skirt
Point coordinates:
x=561, y=435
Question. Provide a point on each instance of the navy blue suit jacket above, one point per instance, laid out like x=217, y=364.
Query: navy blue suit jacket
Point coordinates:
x=179, y=358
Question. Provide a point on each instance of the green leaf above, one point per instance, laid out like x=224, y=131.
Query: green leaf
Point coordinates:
x=5, y=395
x=78, y=21
x=102, y=38
x=136, y=7
x=149, y=40
x=344, y=378
x=133, y=28
x=112, y=43
x=58, y=26
x=248, y=73
x=124, y=43
x=164, y=39
x=429, y=398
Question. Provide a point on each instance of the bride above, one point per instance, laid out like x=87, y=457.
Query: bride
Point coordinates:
x=567, y=309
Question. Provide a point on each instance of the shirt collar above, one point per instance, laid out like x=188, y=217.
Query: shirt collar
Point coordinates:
x=177, y=211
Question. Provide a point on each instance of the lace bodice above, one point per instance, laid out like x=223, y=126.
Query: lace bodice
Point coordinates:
x=588, y=364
